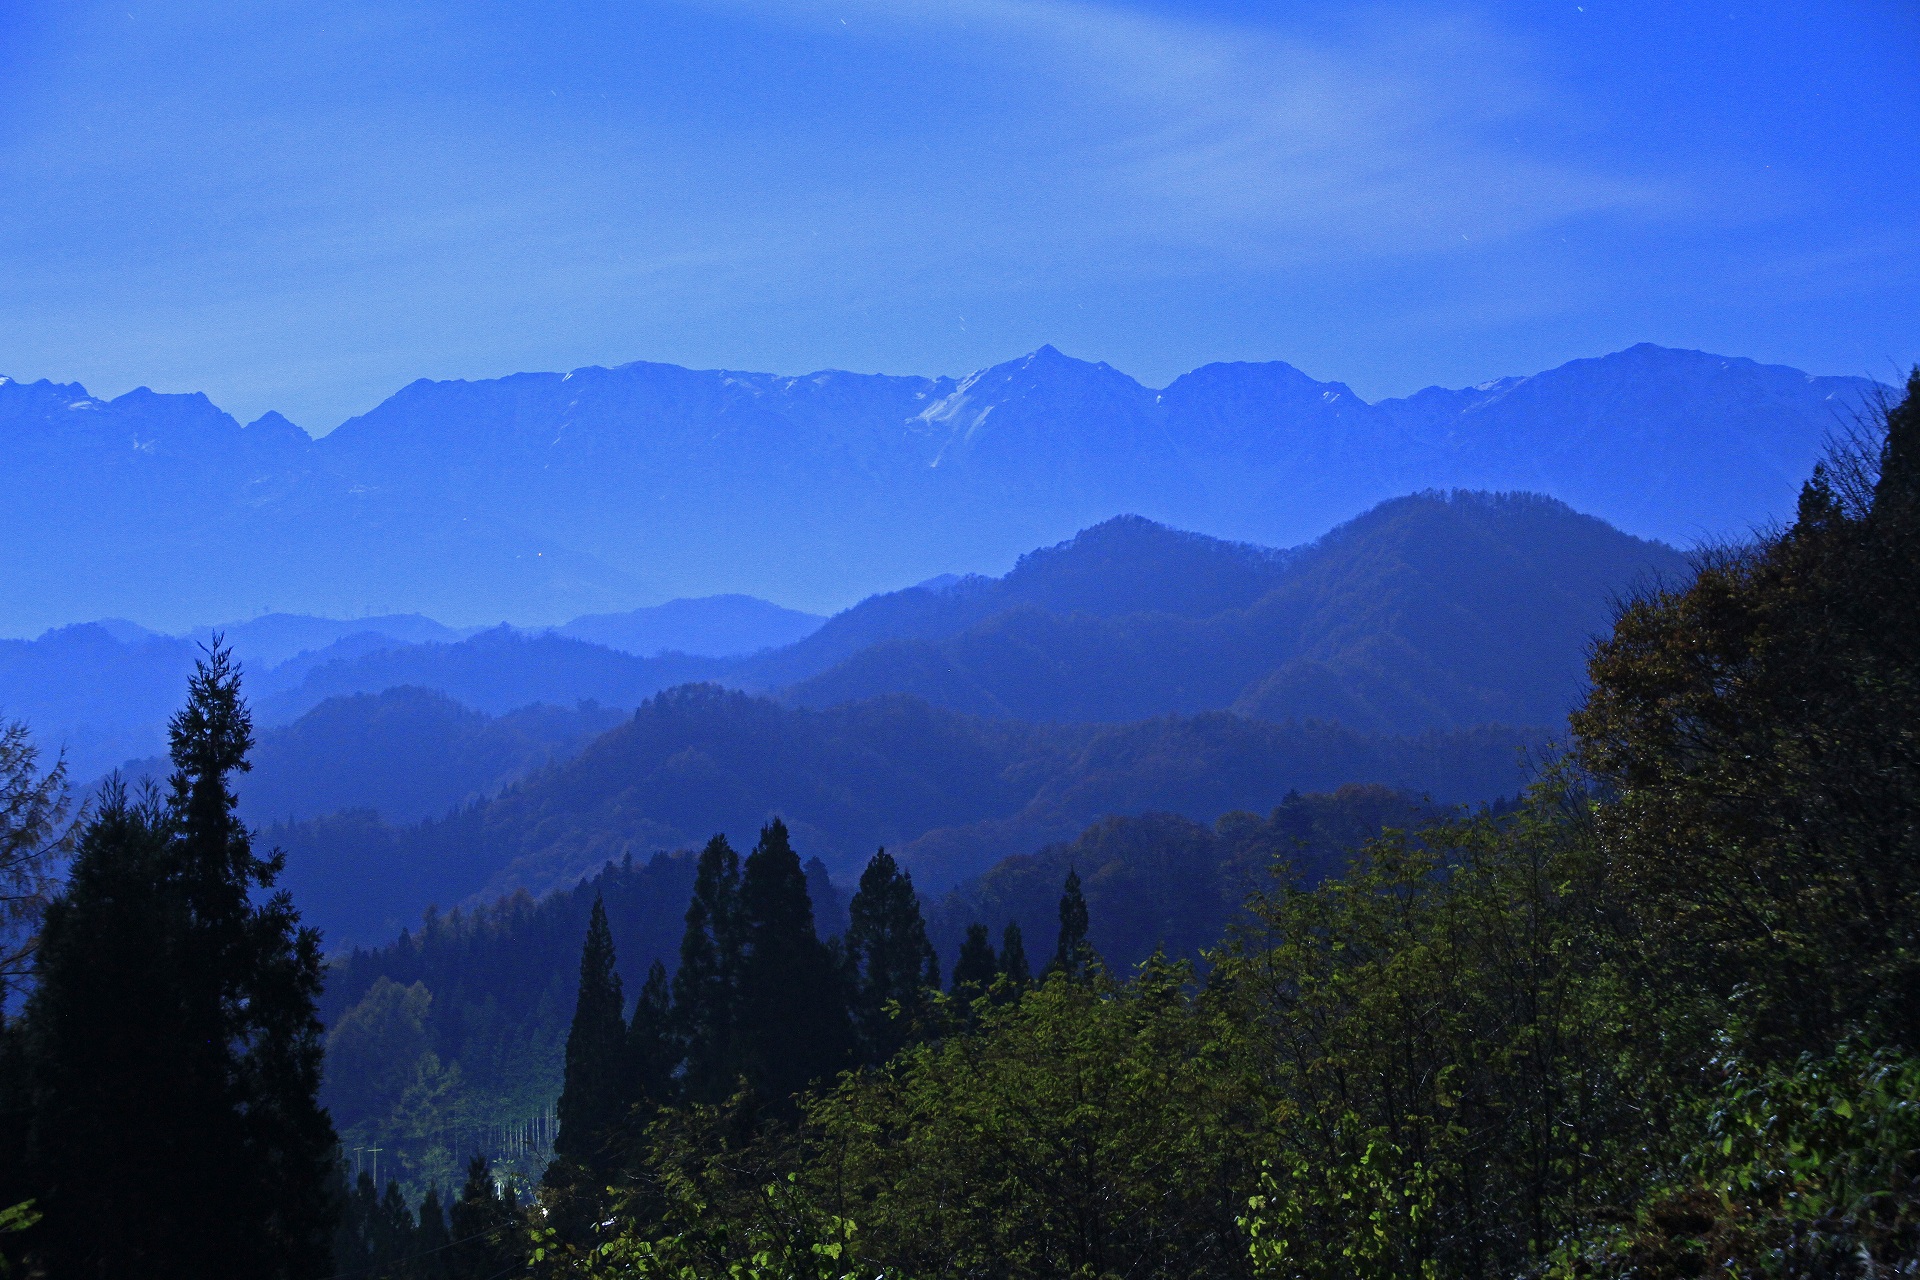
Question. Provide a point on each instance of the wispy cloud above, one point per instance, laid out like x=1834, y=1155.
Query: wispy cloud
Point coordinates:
x=1394, y=136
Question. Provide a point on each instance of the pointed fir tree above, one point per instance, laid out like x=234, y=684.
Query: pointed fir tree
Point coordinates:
x=393, y=1230
x=430, y=1240
x=975, y=968
x=706, y=988
x=1072, y=955
x=894, y=968
x=173, y=1029
x=794, y=1028
x=485, y=1226
x=593, y=1084
x=652, y=1048
x=1013, y=963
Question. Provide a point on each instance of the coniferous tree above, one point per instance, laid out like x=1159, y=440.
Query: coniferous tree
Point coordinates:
x=1013, y=961
x=174, y=1049
x=975, y=968
x=592, y=1088
x=893, y=966
x=485, y=1226
x=431, y=1239
x=794, y=1027
x=652, y=1048
x=1072, y=955
x=706, y=989
x=393, y=1231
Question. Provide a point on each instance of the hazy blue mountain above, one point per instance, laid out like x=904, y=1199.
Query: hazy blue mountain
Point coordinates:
x=98, y=698
x=163, y=509
x=493, y=671
x=271, y=639
x=1432, y=611
x=406, y=754
x=950, y=794
x=104, y=691
x=543, y=496
x=712, y=626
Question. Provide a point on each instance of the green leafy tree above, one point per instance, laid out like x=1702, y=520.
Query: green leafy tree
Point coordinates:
x=1757, y=727
x=706, y=987
x=894, y=968
x=173, y=1045
x=794, y=1027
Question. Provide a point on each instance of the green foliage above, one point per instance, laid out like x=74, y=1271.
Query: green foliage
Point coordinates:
x=14, y=1219
x=1090, y=1128
x=1803, y=1169
x=1760, y=730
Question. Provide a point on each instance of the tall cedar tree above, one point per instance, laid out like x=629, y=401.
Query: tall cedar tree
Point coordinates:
x=794, y=1028
x=486, y=1228
x=893, y=965
x=592, y=1088
x=1072, y=955
x=173, y=1045
x=975, y=968
x=430, y=1239
x=652, y=1051
x=1013, y=961
x=1758, y=728
x=706, y=989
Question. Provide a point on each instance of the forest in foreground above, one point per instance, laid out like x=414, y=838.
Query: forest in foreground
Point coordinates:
x=1660, y=1019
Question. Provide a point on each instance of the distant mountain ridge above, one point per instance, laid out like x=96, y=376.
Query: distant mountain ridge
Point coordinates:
x=542, y=496
x=1433, y=611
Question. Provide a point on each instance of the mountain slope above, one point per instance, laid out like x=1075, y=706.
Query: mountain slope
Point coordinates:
x=949, y=793
x=1434, y=611
x=713, y=627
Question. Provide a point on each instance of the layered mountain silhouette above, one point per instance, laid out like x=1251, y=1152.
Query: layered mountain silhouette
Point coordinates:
x=949, y=794
x=1431, y=612
x=543, y=496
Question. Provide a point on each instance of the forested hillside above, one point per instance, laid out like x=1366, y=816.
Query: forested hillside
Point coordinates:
x=950, y=794
x=1656, y=1020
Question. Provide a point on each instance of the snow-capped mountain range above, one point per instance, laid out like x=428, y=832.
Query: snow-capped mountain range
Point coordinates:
x=541, y=496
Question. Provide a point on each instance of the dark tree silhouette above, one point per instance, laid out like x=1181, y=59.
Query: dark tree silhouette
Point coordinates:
x=173, y=1047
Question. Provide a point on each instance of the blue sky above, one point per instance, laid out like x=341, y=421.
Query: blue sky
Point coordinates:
x=304, y=206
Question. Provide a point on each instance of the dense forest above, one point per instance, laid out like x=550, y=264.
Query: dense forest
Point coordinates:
x=1660, y=1017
